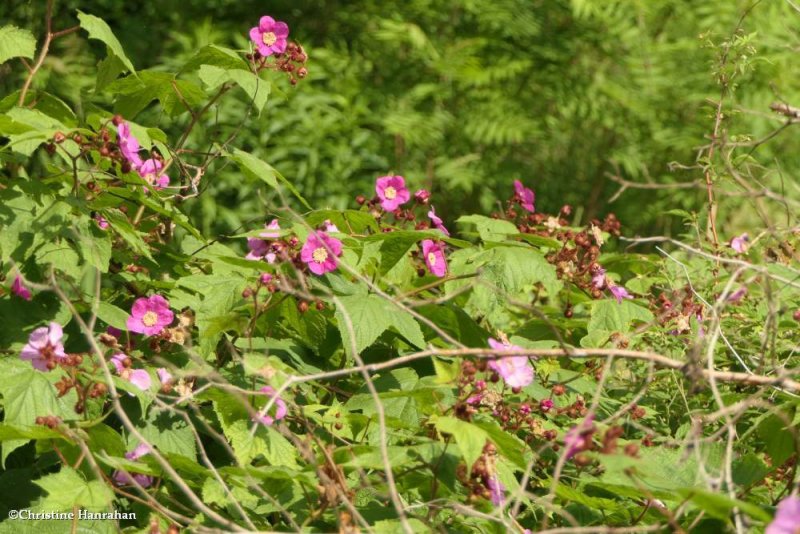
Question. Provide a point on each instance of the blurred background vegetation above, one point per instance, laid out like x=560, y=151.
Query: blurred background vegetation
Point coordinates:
x=464, y=96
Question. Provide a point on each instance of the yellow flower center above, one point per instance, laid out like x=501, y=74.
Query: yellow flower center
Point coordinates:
x=390, y=192
x=269, y=38
x=431, y=259
x=150, y=318
x=320, y=255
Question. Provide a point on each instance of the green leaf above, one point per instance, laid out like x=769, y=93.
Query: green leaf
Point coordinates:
x=67, y=489
x=749, y=469
x=611, y=316
x=95, y=247
x=107, y=71
x=27, y=394
x=396, y=245
x=16, y=42
x=507, y=272
x=350, y=221
x=509, y=446
x=256, y=88
x=217, y=56
x=371, y=316
x=469, y=438
x=168, y=432
x=112, y=315
x=133, y=94
x=119, y=222
x=258, y=169
x=62, y=257
x=490, y=229
x=779, y=441
x=217, y=295
x=98, y=29
x=265, y=441
x=720, y=505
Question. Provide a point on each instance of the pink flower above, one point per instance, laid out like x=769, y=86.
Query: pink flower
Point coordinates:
x=149, y=316
x=150, y=171
x=128, y=145
x=270, y=36
x=516, y=371
x=496, y=490
x=619, y=292
x=422, y=196
x=599, y=278
x=138, y=377
x=280, y=408
x=116, y=332
x=320, y=252
x=101, y=221
x=437, y=222
x=433, y=253
x=545, y=405
x=19, y=289
x=392, y=191
x=44, y=347
x=474, y=399
x=164, y=376
x=259, y=250
x=737, y=295
x=273, y=230
x=118, y=361
x=787, y=517
x=123, y=478
x=265, y=278
x=330, y=227
x=739, y=243
x=578, y=438
x=525, y=196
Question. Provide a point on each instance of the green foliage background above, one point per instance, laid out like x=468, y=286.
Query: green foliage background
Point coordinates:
x=574, y=98
x=463, y=96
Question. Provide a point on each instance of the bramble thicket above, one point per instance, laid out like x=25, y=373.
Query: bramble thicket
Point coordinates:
x=406, y=267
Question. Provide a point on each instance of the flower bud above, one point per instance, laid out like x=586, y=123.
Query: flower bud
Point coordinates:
x=422, y=196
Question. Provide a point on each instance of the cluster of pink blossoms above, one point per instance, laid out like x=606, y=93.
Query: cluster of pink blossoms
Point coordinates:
x=392, y=193
x=150, y=169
